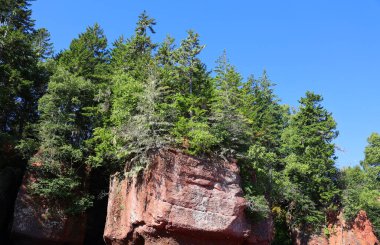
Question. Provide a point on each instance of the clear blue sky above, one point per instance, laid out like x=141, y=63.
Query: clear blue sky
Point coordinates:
x=329, y=47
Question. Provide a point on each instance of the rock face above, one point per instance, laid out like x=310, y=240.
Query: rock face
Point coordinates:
x=358, y=233
x=10, y=179
x=181, y=199
x=33, y=223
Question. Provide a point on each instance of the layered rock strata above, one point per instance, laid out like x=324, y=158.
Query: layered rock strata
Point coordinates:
x=181, y=199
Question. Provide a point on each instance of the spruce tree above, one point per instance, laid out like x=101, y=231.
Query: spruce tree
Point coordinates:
x=62, y=131
x=229, y=124
x=192, y=88
x=69, y=113
x=23, y=76
x=310, y=177
x=372, y=152
x=134, y=55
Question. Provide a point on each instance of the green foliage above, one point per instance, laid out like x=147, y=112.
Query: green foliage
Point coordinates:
x=258, y=207
x=62, y=132
x=194, y=136
x=147, y=129
x=310, y=177
x=362, y=186
x=111, y=108
x=87, y=55
x=228, y=123
x=372, y=151
x=22, y=77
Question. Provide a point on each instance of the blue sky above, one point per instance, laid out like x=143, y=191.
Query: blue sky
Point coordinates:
x=329, y=47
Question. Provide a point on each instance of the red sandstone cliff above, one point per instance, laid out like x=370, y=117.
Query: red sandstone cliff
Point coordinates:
x=180, y=199
x=341, y=233
x=34, y=222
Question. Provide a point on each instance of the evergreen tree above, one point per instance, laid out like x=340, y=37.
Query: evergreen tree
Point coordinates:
x=69, y=113
x=131, y=61
x=191, y=99
x=372, y=152
x=134, y=55
x=62, y=131
x=262, y=162
x=310, y=177
x=362, y=185
x=147, y=130
x=229, y=125
x=22, y=76
x=88, y=55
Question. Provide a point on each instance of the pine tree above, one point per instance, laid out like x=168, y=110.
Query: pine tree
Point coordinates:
x=147, y=130
x=229, y=125
x=310, y=177
x=192, y=91
x=130, y=62
x=262, y=162
x=88, y=55
x=23, y=77
x=134, y=55
x=372, y=152
x=69, y=112
x=62, y=132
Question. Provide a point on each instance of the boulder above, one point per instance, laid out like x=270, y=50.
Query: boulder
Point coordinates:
x=181, y=199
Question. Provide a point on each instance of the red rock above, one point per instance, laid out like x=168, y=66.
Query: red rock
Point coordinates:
x=358, y=233
x=180, y=199
x=34, y=223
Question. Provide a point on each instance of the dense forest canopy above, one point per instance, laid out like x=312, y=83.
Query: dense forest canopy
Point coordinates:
x=108, y=106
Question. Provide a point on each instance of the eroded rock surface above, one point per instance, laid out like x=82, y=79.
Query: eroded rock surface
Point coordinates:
x=34, y=222
x=360, y=232
x=180, y=199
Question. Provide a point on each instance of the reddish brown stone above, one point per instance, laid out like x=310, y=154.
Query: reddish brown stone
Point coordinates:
x=35, y=223
x=180, y=199
x=358, y=233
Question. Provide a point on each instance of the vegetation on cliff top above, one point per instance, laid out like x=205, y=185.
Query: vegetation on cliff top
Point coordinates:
x=94, y=106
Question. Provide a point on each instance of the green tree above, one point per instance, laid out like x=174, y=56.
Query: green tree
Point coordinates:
x=362, y=185
x=62, y=132
x=228, y=123
x=361, y=192
x=147, y=130
x=310, y=178
x=23, y=76
x=262, y=162
x=191, y=98
x=88, y=54
x=69, y=112
x=372, y=152
x=131, y=62
x=134, y=55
